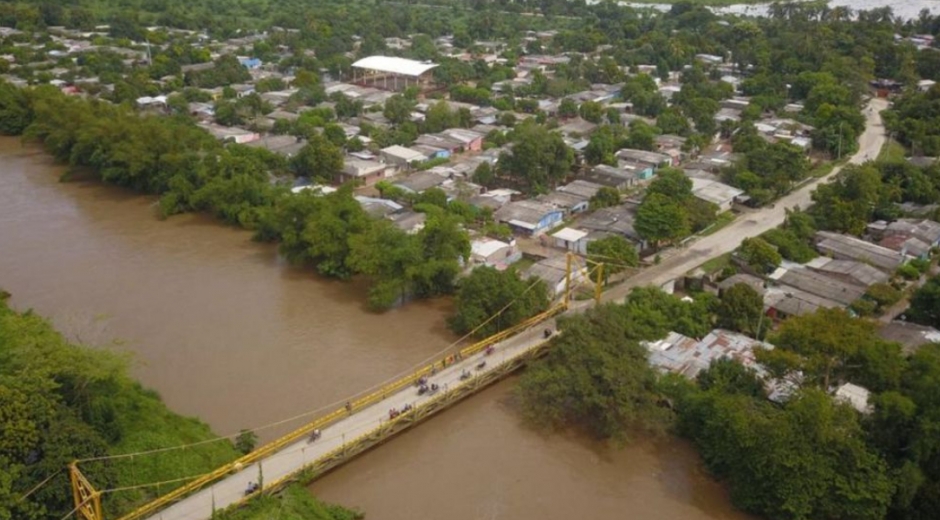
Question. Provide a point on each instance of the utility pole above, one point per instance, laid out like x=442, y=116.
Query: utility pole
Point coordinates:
x=567, y=278
x=840, y=140
x=598, y=287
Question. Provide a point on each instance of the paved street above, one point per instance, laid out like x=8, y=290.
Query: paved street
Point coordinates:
x=230, y=490
x=727, y=239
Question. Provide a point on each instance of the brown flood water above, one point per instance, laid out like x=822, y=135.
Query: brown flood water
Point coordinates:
x=226, y=332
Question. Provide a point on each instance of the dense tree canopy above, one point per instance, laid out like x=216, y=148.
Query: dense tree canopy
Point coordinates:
x=61, y=402
x=806, y=460
x=662, y=219
x=759, y=255
x=595, y=376
x=925, y=304
x=742, y=310
x=615, y=252
x=489, y=300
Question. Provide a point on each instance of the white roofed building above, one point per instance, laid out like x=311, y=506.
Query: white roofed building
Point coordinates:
x=718, y=193
x=392, y=73
x=573, y=240
x=493, y=253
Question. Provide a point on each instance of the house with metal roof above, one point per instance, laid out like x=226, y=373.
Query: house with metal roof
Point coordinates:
x=610, y=176
x=419, y=182
x=392, y=72
x=742, y=278
x=361, y=171
x=782, y=302
x=911, y=336
x=925, y=230
x=854, y=396
x=529, y=217
x=848, y=271
x=569, y=202
x=718, y=193
x=582, y=188
x=616, y=220
x=493, y=253
x=553, y=271
x=845, y=247
x=819, y=284
x=574, y=240
x=400, y=156
x=686, y=356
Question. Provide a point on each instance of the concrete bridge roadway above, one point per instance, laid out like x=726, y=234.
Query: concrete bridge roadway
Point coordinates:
x=294, y=457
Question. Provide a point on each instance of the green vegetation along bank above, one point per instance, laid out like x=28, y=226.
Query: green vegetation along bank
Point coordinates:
x=807, y=457
x=61, y=402
x=293, y=503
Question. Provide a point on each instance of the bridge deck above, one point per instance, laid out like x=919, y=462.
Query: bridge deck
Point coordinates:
x=342, y=437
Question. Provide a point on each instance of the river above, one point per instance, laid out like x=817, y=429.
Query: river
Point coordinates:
x=226, y=332
x=903, y=9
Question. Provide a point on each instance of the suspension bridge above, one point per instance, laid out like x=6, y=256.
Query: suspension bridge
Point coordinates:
x=364, y=422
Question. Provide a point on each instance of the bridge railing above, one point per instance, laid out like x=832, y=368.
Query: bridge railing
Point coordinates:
x=368, y=438
x=332, y=417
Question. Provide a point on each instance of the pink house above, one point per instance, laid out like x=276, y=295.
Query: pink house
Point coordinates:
x=471, y=141
x=363, y=172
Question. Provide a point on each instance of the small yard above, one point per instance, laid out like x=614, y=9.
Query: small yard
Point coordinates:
x=721, y=221
x=716, y=264
x=892, y=151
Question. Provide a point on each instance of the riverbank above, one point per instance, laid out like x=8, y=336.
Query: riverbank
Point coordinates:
x=293, y=503
x=228, y=332
x=71, y=402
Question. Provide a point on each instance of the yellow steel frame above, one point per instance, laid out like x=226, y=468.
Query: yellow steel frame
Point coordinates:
x=403, y=422
x=87, y=499
x=81, y=486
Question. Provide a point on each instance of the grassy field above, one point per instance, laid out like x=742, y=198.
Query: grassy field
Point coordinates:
x=149, y=425
x=294, y=503
x=716, y=264
x=892, y=151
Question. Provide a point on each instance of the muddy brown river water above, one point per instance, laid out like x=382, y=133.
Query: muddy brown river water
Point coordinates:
x=227, y=332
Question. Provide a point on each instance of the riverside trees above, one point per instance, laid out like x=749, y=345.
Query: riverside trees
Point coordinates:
x=810, y=456
x=61, y=402
x=488, y=300
x=191, y=171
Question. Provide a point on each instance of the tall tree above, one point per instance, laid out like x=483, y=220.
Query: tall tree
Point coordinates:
x=830, y=347
x=318, y=159
x=386, y=254
x=759, y=255
x=661, y=219
x=925, y=304
x=539, y=158
x=488, y=301
x=615, y=252
x=595, y=378
x=742, y=310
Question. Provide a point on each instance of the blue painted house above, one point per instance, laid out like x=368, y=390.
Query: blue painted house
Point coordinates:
x=642, y=163
x=529, y=217
x=250, y=63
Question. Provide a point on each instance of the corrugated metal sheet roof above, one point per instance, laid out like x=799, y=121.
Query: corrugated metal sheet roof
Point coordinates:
x=395, y=65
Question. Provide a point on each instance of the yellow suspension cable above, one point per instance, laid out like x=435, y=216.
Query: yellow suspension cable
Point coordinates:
x=322, y=408
x=274, y=446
